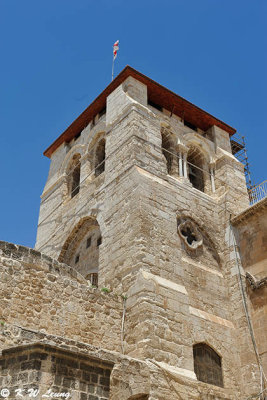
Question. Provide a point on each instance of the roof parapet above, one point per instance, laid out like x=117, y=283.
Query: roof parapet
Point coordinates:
x=157, y=94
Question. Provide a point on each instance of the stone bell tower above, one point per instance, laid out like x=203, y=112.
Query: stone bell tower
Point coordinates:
x=138, y=200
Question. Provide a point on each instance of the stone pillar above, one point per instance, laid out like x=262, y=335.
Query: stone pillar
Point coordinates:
x=180, y=163
x=230, y=179
x=220, y=138
x=182, y=151
x=212, y=173
x=185, y=164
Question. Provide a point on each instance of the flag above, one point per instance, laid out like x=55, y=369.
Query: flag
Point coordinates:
x=115, y=49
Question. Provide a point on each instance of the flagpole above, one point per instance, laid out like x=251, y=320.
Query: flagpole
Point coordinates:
x=115, y=49
x=112, y=68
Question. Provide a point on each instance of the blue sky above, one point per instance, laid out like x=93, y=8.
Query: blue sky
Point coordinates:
x=56, y=57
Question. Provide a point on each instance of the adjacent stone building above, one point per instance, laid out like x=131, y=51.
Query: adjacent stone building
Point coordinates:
x=251, y=233
x=135, y=289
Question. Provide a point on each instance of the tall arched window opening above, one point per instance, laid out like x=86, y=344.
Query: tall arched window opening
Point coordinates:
x=81, y=249
x=74, y=172
x=207, y=365
x=195, y=164
x=166, y=151
x=100, y=156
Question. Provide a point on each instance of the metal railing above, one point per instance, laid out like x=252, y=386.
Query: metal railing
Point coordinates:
x=257, y=193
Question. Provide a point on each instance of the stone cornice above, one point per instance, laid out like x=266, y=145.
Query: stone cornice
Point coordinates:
x=256, y=208
x=254, y=283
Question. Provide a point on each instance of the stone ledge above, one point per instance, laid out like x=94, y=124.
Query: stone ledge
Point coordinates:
x=254, y=283
x=34, y=340
x=31, y=256
x=164, y=282
x=176, y=370
x=249, y=212
x=210, y=317
x=201, y=266
x=189, y=380
x=43, y=347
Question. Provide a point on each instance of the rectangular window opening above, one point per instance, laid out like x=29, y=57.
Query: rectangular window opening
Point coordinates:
x=77, y=258
x=102, y=112
x=189, y=125
x=77, y=136
x=94, y=279
x=155, y=105
x=88, y=242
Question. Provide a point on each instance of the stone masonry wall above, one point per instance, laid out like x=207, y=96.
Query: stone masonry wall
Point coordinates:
x=175, y=299
x=177, y=295
x=39, y=293
x=48, y=362
x=251, y=234
x=41, y=371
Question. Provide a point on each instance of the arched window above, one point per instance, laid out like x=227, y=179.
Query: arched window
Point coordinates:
x=207, y=364
x=166, y=151
x=195, y=162
x=74, y=172
x=81, y=249
x=100, y=157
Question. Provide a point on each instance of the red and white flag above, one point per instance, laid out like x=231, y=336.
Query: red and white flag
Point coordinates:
x=115, y=49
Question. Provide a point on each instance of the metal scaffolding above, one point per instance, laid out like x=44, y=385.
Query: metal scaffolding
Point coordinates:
x=239, y=151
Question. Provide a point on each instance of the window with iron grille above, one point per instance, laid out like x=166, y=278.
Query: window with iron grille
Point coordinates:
x=207, y=365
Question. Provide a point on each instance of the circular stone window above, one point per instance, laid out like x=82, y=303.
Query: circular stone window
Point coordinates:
x=190, y=235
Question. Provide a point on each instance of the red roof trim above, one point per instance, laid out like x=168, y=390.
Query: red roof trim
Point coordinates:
x=156, y=93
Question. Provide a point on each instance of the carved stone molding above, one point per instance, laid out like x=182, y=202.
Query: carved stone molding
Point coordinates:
x=190, y=235
x=254, y=283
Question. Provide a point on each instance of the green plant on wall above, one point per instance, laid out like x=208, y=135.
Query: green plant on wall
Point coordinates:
x=105, y=290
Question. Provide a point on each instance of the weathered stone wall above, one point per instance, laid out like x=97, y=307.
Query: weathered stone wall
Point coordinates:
x=176, y=300
x=178, y=294
x=251, y=234
x=43, y=370
x=198, y=299
x=39, y=293
x=57, y=207
x=163, y=318
x=68, y=365
x=49, y=362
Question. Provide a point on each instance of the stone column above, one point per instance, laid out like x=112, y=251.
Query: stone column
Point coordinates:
x=182, y=151
x=180, y=163
x=212, y=179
